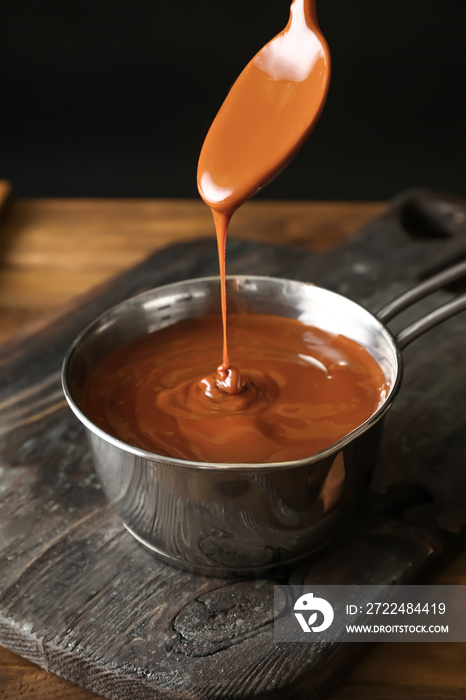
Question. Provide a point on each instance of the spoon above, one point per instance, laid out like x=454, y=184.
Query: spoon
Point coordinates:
x=268, y=113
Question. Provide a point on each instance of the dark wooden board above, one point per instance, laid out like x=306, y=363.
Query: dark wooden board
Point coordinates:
x=81, y=598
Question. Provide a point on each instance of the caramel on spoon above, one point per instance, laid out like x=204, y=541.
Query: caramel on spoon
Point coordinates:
x=268, y=113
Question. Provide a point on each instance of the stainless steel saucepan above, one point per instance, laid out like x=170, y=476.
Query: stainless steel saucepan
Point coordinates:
x=242, y=519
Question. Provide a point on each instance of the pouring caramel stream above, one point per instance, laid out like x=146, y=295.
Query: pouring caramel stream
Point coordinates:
x=267, y=115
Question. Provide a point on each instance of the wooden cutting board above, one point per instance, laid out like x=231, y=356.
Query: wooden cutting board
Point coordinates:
x=78, y=596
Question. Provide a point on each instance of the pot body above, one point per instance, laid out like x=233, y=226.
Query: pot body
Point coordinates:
x=244, y=521
x=232, y=519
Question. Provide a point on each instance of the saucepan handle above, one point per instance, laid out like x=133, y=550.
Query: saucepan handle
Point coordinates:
x=432, y=319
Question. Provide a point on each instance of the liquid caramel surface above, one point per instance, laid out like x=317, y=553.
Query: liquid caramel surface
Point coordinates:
x=304, y=389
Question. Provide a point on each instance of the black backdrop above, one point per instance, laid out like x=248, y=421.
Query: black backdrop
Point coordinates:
x=114, y=97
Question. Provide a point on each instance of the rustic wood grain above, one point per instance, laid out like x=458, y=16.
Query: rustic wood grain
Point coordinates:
x=101, y=533
x=51, y=250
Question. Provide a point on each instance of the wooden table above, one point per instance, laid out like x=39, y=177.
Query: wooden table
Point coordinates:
x=52, y=250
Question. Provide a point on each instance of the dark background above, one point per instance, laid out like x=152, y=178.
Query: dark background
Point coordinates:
x=114, y=97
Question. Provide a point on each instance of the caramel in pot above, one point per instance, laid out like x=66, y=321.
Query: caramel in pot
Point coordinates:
x=304, y=389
